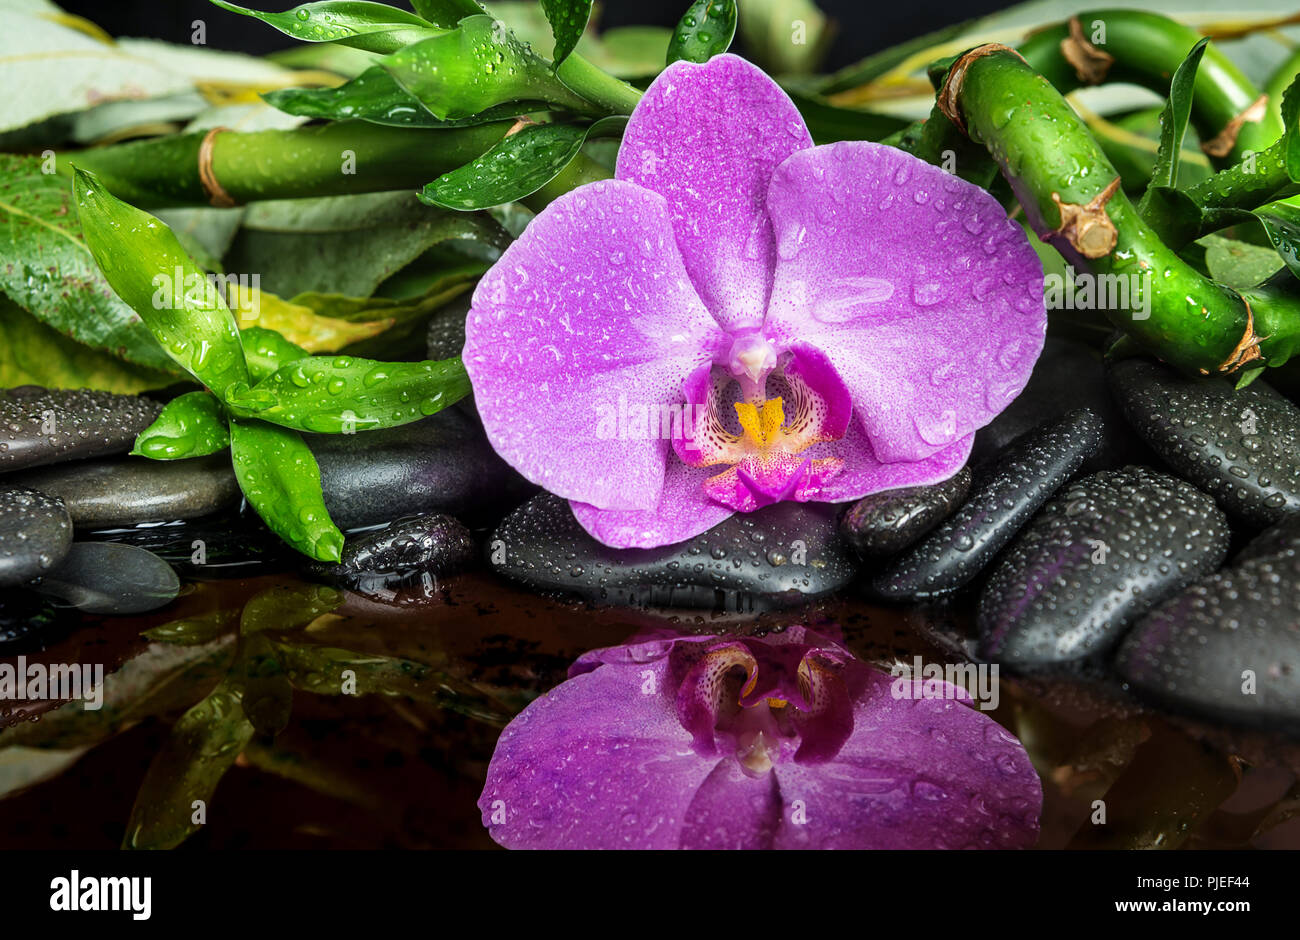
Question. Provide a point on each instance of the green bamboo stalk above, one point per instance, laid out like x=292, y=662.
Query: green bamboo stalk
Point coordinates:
x=1145, y=49
x=333, y=159
x=1071, y=196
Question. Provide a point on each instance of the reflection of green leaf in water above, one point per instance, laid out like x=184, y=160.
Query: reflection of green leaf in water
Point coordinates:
x=288, y=607
x=203, y=745
x=193, y=631
x=321, y=669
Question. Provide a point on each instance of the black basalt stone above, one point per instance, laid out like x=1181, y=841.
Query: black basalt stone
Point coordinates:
x=1242, y=446
x=35, y=532
x=1229, y=645
x=1102, y=553
x=131, y=490
x=403, y=558
x=777, y=556
x=1004, y=493
x=885, y=523
x=41, y=426
x=443, y=463
x=111, y=578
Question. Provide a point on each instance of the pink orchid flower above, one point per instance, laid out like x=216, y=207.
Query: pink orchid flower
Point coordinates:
x=783, y=321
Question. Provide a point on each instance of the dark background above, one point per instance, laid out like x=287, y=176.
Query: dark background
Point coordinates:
x=865, y=26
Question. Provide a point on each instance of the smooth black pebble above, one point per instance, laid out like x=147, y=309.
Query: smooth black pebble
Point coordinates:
x=1240, y=446
x=111, y=578
x=40, y=425
x=1229, y=645
x=774, y=557
x=1005, y=492
x=35, y=533
x=885, y=523
x=1103, y=552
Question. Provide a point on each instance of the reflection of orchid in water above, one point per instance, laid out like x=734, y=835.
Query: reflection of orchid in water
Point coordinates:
x=782, y=742
x=842, y=318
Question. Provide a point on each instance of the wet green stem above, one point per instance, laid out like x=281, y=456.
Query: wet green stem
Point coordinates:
x=328, y=160
x=1055, y=168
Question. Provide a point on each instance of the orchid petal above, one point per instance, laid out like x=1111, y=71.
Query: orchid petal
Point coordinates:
x=707, y=137
x=683, y=512
x=589, y=308
x=916, y=773
x=594, y=763
x=925, y=298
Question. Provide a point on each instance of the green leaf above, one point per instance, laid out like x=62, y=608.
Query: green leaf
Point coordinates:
x=518, y=166
x=149, y=269
x=374, y=27
x=48, y=270
x=705, y=30
x=288, y=607
x=1173, y=123
x=474, y=67
x=203, y=745
x=827, y=123
x=568, y=20
x=266, y=350
x=376, y=97
x=192, y=425
x=194, y=631
x=1239, y=264
x=281, y=481
x=51, y=68
x=1281, y=221
x=1291, y=124
x=267, y=692
x=343, y=394
x=446, y=12
x=33, y=354
x=299, y=324
x=347, y=245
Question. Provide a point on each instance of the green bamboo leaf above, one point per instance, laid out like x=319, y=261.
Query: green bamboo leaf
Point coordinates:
x=705, y=30
x=281, y=481
x=192, y=425
x=1291, y=124
x=266, y=350
x=785, y=37
x=149, y=269
x=203, y=745
x=35, y=354
x=376, y=97
x=287, y=607
x=1173, y=124
x=344, y=394
x=446, y=12
x=349, y=245
x=518, y=166
x=374, y=27
x=50, y=273
x=476, y=66
x=1239, y=264
x=195, y=631
x=568, y=19
x=1281, y=221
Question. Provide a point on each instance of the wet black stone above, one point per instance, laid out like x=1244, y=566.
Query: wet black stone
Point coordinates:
x=35, y=532
x=1202, y=649
x=777, y=556
x=1067, y=375
x=1275, y=540
x=886, y=523
x=443, y=463
x=1240, y=446
x=446, y=334
x=405, y=557
x=111, y=578
x=28, y=622
x=1004, y=493
x=1101, y=554
x=130, y=490
x=41, y=426
x=225, y=546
